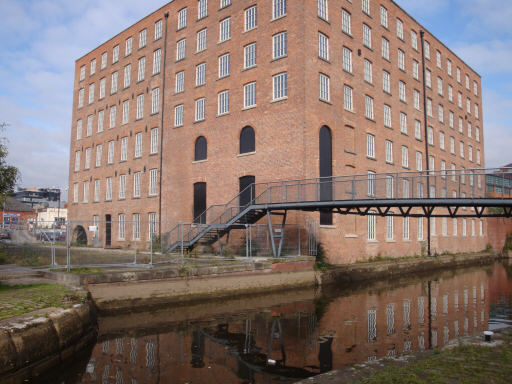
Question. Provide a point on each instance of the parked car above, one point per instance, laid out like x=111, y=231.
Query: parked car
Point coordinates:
x=5, y=234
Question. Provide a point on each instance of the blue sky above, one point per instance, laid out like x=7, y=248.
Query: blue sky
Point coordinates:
x=41, y=40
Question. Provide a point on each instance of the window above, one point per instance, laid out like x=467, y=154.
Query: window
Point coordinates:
x=178, y=115
x=279, y=8
x=181, y=47
x=368, y=72
x=386, y=82
x=347, y=60
x=470, y=130
x=468, y=106
x=75, y=193
x=452, y=145
x=323, y=46
x=347, y=102
x=477, y=112
x=86, y=192
x=154, y=141
x=142, y=69
x=368, y=103
x=389, y=227
x=138, y=145
x=370, y=146
x=157, y=55
x=399, y=29
x=200, y=74
x=415, y=70
x=87, y=158
x=467, y=83
x=102, y=88
x=429, y=106
x=440, y=113
x=372, y=224
x=79, y=129
x=346, y=23
x=82, y=72
x=401, y=91
x=367, y=36
x=405, y=157
x=110, y=153
x=136, y=184
x=464, y=233
x=224, y=65
x=158, y=30
x=470, y=153
x=416, y=97
x=136, y=226
x=420, y=228
x=223, y=103
x=180, y=82
x=389, y=152
x=389, y=187
x=458, y=75
x=460, y=125
x=280, y=48
x=201, y=40
x=475, y=88
x=450, y=93
x=124, y=148
x=89, y=125
x=91, y=93
x=201, y=148
x=140, y=107
x=365, y=6
x=77, y=161
x=99, y=150
x=115, y=54
x=438, y=59
x=126, y=111
x=323, y=85
x=153, y=182
x=428, y=78
x=200, y=109
x=385, y=48
x=93, y=66
x=280, y=86
x=441, y=140
x=414, y=40
x=142, y=38
x=387, y=116
x=128, y=46
x=113, y=88
x=450, y=119
x=155, y=100
x=461, y=148
x=440, y=86
x=371, y=183
x=182, y=18
x=401, y=60
x=477, y=134
x=127, y=75
x=225, y=30
x=202, y=9
x=122, y=187
x=403, y=123
x=247, y=140
x=426, y=46
x=431, y=165
x=113, y=113
x=383, y=17
x=323, y=11
x=121, y=218
x=417, y=129
x=250, y=95
x=419, y=161
x=430, y=138
x=250, y=55
x=108, y=189
x=250, y=18
x=449, y=67
x=152, y=225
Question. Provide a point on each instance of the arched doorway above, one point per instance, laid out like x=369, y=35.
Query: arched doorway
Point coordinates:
x=79, y=235
x=325, y=152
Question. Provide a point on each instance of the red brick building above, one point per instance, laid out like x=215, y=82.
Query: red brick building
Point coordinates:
x=200, y=98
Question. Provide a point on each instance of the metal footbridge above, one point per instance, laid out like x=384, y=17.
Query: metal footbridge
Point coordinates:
x=436, y=193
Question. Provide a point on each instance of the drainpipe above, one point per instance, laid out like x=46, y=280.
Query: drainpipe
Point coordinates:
x=162, y=130
x=422, y=35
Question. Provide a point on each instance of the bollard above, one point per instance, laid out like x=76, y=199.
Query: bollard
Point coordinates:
x=488, y=336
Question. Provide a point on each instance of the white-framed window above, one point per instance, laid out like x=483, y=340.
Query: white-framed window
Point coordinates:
x=86, y=192
x=429, y=107
x=415, y=70
x=368, y=107
x=477, y=134
x=250, y=55
x=468, y=106
x=103, y=83
x=383, y=17
x=142, y=38
x=368, y=72
x=91, y=93
x=419, y=161
x=389, y=227
x=441, y=140
x=140, y=106
x=180, y=82
x=450, y=93
x=110, y=152
x=278, y=8
x=121, y=220
x=324, y=87
x=477, y=112
x=367, y=36
x=387, y=116
x=389, y=152
x=93, y=66
x=251, y=21
x=136, y=183
x=141, y=73
x=280, y=86
x=414, y=40
x=347, y=98
x=406, y=232
x=77, y=161
x=153, y=174
x=158, y=29
x=178, y=115
x=79, y=129
x=113, y=88
x=475, y=88
x=470, y=129
x=405, y=156
x=389, y=187
x=323, y=10
x=182, y=18
x=386, y=82
x=370, y=146
x=467, y=83
x=323, y=46
x=75, y=193
x=224, y=65
x=372, y=226
x=108, y=189
x=478, y=160
x=451, y=117
x=459, y=99
x=127, y=75
x=122, y=187
x=454, y=227
x=452, y=145
x=223, y=102
x=113, y=114
x=154, y=141
x=200, y=74
x=399, y=29
x=365, y=6
x=403, y=123
x=115, y=54
x=461, y=125
x=202, y=9
x=152, y=225
x=82, y=72
x=440, y=113
x=225, y=29
x=428, y=78
x=250, y=95
x=157, y=58
x=371, y=183
x=89, y=125
x=87, y=158
x=401, y=60
x=347, y=59
x=181, y=49
x=138, y=144
x=464, y=231
x=449, y=67
x=426, y=46
x=401, y=91
x=99, y=151
x=155, y=100
x=126, y=111
x=346, y=22
x=430, y=138
x=200, y=103
x=470, y=153
x=461, y=147
x=128, y=46
x=440, y=86
x=201, y=40
x=417, y=129
x=385, y=48
x=420, y=228
x=280, y=45
x=136, y=226
x=431, y=163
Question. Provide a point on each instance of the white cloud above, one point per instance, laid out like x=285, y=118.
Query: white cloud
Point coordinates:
x=489, y=56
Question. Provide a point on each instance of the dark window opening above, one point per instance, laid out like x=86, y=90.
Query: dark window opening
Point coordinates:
x=199, y=203
x=247, y=140
x=201, y=149
x=246, y=192
x=325, y=148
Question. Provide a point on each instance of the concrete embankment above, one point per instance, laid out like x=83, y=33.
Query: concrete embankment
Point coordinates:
x=31, y=344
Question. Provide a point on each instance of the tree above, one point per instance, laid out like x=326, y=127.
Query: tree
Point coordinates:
x=9, y=174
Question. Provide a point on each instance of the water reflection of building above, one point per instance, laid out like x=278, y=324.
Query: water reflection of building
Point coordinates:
x=301, y=339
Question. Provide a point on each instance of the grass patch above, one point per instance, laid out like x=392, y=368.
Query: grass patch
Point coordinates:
x=21, y=299
x=79, y=271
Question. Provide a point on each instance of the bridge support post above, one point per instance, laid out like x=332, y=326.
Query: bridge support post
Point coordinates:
x=276, y=251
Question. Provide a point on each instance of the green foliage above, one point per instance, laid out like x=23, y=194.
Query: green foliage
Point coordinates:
x=508, y=243
x=9, y=174
x=321, y=263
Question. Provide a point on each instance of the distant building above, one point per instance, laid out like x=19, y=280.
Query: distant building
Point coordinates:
x=38, y=197
x=499, y=183
x=48, y=216
x=15, y=212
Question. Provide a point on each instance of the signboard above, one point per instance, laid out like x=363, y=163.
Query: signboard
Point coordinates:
x=93, y=228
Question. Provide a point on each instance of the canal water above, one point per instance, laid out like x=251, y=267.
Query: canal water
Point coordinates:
x=294, y=335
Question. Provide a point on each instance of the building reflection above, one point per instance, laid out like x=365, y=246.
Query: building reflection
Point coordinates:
x=296, y=341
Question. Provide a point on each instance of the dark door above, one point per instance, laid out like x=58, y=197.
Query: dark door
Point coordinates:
x=325, y=172
x=246, y=193
x=199, y=203
x=108, y=230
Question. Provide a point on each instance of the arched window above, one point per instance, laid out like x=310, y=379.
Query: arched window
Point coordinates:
x=201, y=149
x=325, y=149
x=247, y=141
